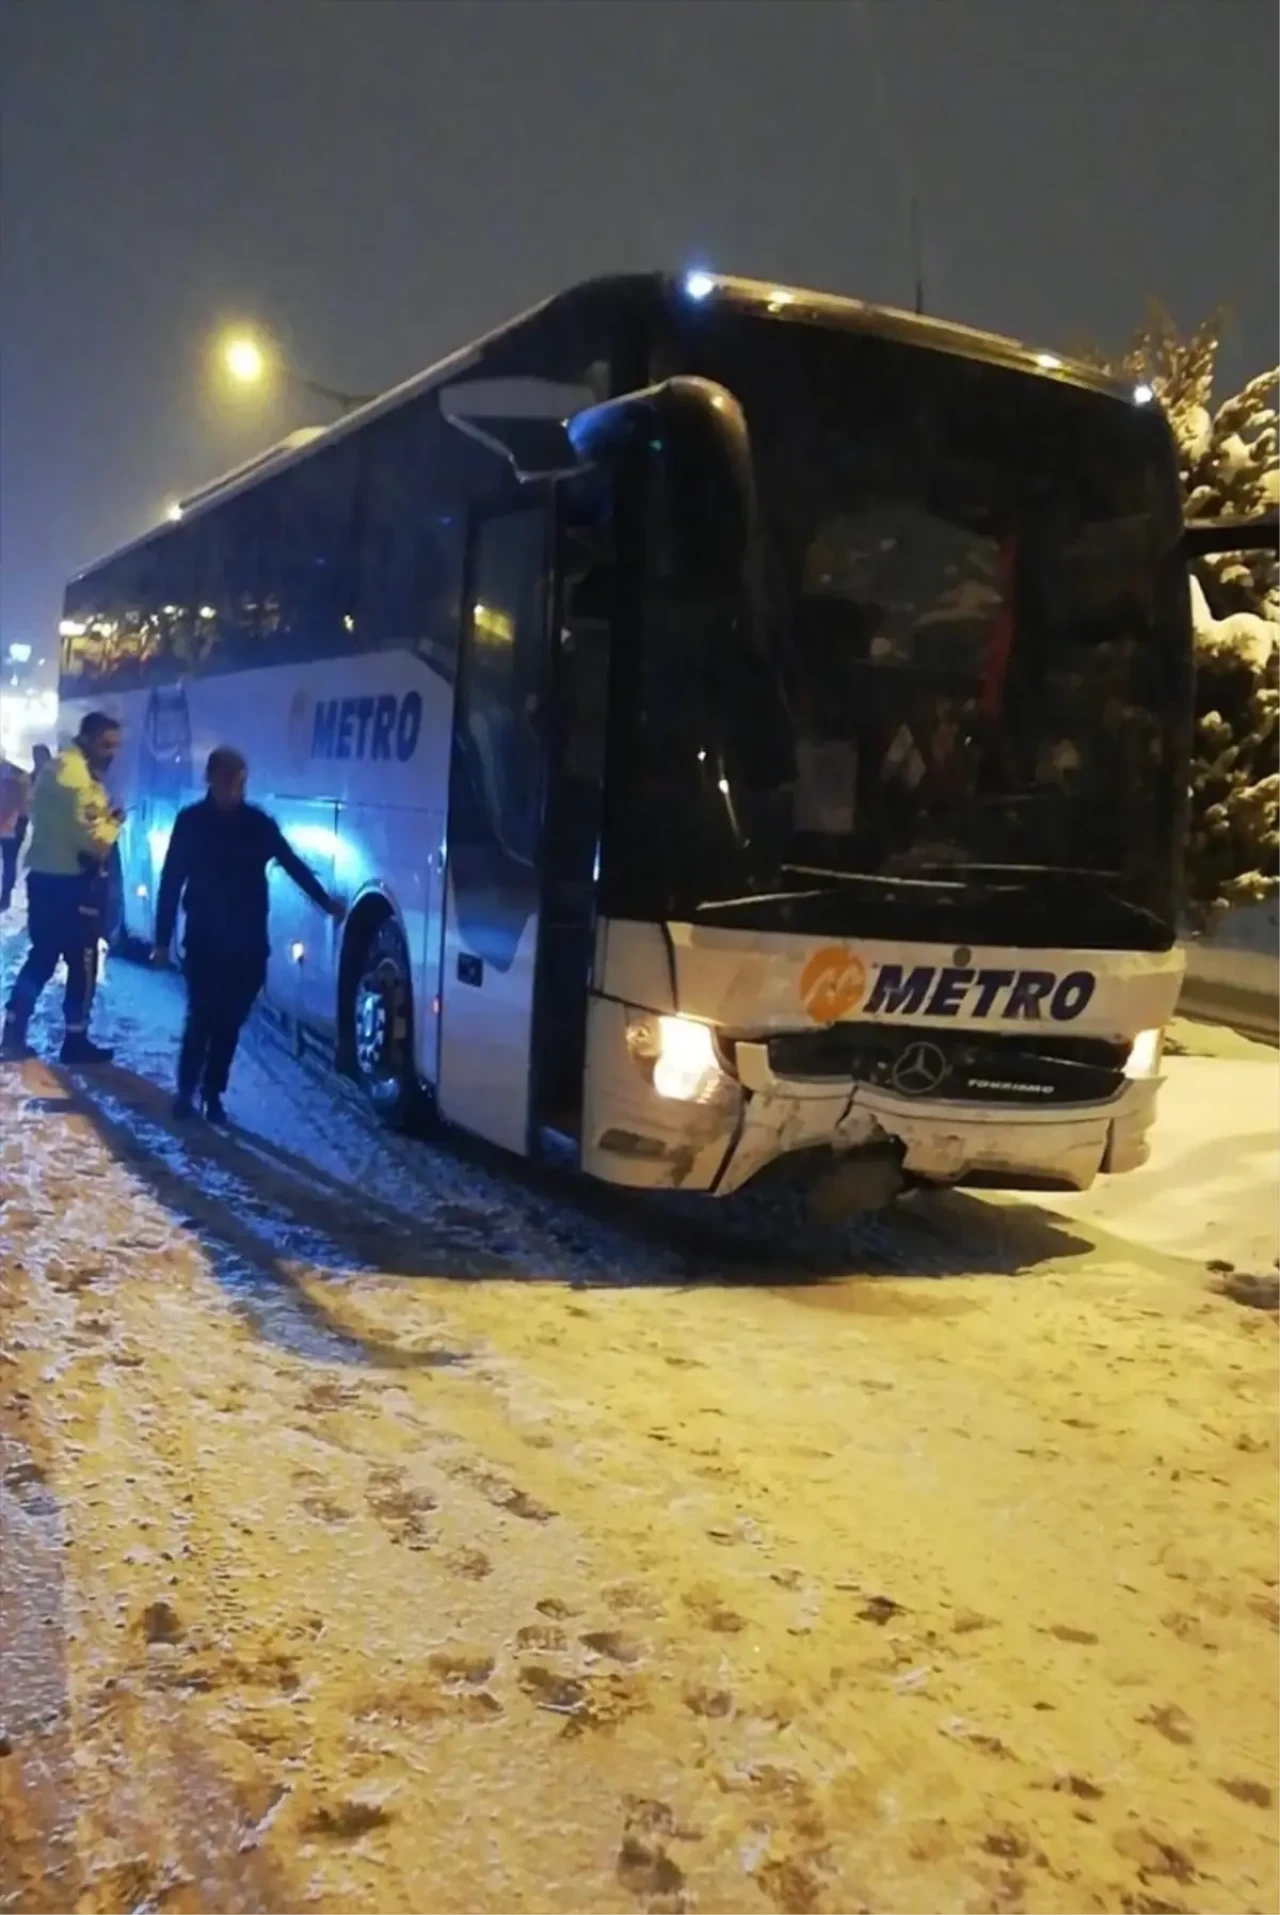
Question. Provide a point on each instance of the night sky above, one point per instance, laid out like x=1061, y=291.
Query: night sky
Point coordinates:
x=376, y=181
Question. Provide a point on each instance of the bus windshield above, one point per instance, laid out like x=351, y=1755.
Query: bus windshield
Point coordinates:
x=975, y=602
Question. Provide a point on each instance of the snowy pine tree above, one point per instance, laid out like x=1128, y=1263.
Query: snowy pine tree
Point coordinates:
x=1229, y=469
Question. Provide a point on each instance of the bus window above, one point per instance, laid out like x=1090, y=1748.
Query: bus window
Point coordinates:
x=496, y=794
x=298, y=600
x=84, y=631
x=410, y=552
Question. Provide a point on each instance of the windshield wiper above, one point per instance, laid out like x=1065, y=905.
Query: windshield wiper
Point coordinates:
x=759, y=897
x=1103, y=883
x=1023, y=870
x=885, y=879
x=899, y=890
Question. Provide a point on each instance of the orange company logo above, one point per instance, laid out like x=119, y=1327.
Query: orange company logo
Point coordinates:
x=832, y=983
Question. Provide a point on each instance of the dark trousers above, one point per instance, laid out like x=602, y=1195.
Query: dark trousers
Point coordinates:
x=64, y=920
x=9, y=849
x=220, y=994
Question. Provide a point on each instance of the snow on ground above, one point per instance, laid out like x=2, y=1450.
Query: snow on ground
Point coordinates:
x=385, y=1527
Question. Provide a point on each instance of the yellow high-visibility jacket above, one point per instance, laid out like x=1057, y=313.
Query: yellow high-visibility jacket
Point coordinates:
x=70, y=818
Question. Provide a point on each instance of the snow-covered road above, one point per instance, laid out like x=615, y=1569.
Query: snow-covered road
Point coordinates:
x=383, y=1528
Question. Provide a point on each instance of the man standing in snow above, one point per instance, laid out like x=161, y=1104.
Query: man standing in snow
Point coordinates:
x=74, y=828
x=217, y=865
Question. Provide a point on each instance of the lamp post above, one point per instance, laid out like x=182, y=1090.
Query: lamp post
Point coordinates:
x=248, y=363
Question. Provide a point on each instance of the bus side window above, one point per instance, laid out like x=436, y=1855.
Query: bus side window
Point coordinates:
x=184, y=587
x=410, y=552
x=498, y=722
x=82, y=643
x=220, y=636
x=306, y=591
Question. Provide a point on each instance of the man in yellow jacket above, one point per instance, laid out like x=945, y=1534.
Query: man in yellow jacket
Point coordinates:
x=73, y=834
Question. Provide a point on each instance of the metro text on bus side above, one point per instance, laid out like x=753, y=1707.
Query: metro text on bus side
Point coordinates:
x=745, y=724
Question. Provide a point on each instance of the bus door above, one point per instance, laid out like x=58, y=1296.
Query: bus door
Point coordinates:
x=576, y=728
x=497, y=783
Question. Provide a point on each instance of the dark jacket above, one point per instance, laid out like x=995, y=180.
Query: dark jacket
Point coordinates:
x=217, y=865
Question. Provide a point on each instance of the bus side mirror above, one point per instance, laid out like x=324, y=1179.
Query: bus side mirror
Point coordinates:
x=703, y=528
x=519, y=419
x=684, y=447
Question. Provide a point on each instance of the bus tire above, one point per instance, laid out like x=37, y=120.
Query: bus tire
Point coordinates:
x=380, y=1037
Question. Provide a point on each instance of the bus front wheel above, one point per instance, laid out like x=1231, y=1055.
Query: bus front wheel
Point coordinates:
x=381, y=1036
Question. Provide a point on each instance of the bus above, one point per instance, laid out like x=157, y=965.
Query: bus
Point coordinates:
x=748, y=727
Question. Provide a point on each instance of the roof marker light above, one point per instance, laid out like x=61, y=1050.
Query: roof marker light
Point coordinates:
x=1048, y=362
x=1143, y=395
x=698, y=285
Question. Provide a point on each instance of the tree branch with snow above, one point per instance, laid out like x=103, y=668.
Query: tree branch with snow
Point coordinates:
x=1229, y=465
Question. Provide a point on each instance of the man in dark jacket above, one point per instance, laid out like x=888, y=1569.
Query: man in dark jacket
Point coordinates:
x=217, y=864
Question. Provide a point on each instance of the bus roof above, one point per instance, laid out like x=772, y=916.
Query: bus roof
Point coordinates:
x=487, y=354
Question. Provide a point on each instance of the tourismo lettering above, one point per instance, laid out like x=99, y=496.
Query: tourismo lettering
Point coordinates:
x=376, y=728
x=953, y=991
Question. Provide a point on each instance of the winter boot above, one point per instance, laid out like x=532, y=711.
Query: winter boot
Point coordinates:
x=214, y=1110
x=14, y=1042
x=79, y=1049
x=184, y=1106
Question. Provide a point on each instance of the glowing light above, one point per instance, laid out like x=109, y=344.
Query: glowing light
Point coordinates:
x=140, y=891
x=207, y=611
x=244, y=360
x=72, y=628
x=297, y=952
x=26, y=718
x=19, y=654
x=494, y=623
x=1144, y=1054
x=1048, y=362
x=686, y=1066
x=698, y=285
x=173, y=512
x=1143, y=395
x=311, y=840
x=724, y=786
x=348, y=623
x=679, y=1057
x=779, y=298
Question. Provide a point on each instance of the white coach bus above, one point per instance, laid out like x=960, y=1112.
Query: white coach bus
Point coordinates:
x=742, y=722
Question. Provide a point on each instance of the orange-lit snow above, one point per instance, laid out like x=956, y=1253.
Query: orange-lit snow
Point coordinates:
x=385, y=1531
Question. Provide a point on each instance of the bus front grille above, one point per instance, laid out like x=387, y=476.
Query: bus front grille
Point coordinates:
x=955, y=1066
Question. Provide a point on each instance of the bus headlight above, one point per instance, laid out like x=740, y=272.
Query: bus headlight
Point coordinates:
x=1144, y=1054
x=679, y=1055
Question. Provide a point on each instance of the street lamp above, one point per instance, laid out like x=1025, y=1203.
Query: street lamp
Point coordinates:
x=248, y=363
x=244, y=360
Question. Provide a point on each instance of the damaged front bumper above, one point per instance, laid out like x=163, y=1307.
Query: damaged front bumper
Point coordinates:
x=633, y=1136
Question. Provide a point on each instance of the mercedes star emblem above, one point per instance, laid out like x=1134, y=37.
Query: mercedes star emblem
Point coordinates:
x=919, y=1070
